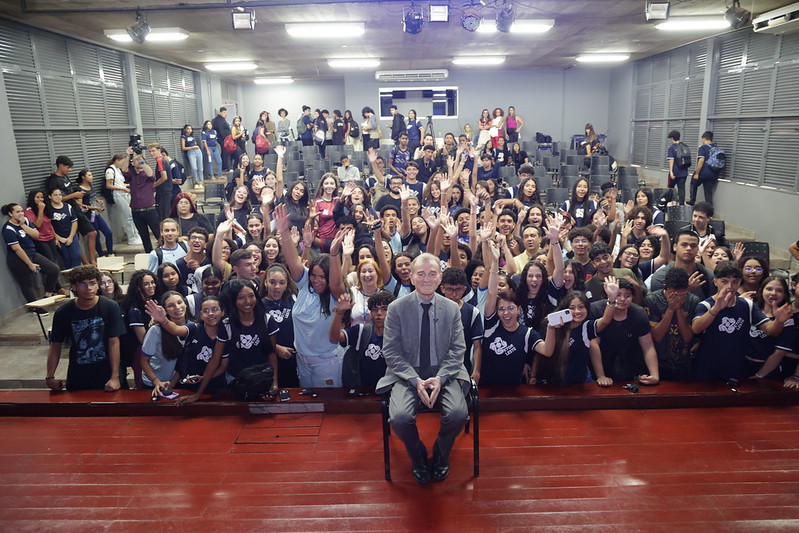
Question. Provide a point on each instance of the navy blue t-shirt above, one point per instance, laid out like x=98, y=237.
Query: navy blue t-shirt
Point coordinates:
x=189, y=140
x=506, y=352
x=210, y=138
x=372, y=366
x=62, y=219
x=279, y=313
x=16, y=235
x=247, y=345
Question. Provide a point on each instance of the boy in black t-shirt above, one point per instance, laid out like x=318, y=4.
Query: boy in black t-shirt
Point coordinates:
x=93, y=325
x=363, y=364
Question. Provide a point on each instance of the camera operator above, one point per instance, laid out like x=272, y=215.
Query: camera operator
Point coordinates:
x=141, y=180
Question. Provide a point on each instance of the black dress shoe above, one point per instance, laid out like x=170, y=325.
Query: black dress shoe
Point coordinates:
x=440, y=465
x=420, y=467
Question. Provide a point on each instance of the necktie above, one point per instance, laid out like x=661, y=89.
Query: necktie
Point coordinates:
x=424, y=339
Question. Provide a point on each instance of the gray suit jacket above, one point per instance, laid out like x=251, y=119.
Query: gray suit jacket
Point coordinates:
x=401, y=341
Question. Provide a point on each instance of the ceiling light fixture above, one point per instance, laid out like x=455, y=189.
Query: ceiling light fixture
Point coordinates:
x=472, y=18
x=439, y=13
x=602, y=58
x=693, y=24
x=657, y=10
x=140, y=29
x=280, y=80
x=326, y=30
x=737, y=16
x=243, y=19
x=160, y=35
x=505, y=18
x=412, y=20
x=478, y=60
x=231, y=66
x=366, y=62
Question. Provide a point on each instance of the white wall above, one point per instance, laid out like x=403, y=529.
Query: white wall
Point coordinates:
x=555, y=102
x=327, y=94
x=620, y=107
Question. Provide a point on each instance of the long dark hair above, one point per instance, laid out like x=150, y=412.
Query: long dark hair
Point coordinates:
x=171, y=346
x=760, y=301
x=536, y=199
x=160, y=284
x=543, y=306
x=323, y=262
x=135, y=298
x=32, y=199
x=579, y=274
x=560, y=357
x=573, y=199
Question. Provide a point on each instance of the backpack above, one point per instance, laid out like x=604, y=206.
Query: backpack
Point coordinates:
x=682, y=155
x=355, y=131
x=229, y=145
x=253, y=382
x=107, y=193
x=159, y=253
x=350, y=366
x=301, y=128
x=177, y=171
x=541, y=138
x=717, y=159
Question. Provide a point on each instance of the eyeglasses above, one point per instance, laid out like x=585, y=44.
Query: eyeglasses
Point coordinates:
x=209, y=310
x=226, y=248
x=198, y=238
x=508, y=309
x=106, y=283
x=753, y=269
x=628, y=253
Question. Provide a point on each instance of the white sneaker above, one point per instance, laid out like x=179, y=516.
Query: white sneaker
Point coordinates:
x=135, y=242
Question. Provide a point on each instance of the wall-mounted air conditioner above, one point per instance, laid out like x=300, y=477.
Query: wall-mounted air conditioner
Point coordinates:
x=412, y=75
x=778, y=22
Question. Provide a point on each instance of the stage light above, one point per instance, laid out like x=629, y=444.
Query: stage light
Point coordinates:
x=412, y=20
x=657, y=10
x=505, y=18
x=737, y=16
x=471, y=18
x=139, y=30
x=243, y=19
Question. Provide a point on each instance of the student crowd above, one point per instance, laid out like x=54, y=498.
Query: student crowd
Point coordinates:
x=591, y=290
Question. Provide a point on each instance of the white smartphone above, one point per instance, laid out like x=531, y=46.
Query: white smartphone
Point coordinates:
x=558, y=316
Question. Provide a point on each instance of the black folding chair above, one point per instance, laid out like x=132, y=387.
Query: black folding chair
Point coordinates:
x=473, y=404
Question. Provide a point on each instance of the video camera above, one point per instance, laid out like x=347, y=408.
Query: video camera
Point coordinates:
x=136, y=144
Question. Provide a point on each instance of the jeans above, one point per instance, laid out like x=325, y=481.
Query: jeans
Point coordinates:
x=215, y=164
x=709, y=186
x=71, y=253
x=679, y=183
x=122, y=206
x=195, y=158
x=147, y=218
x=101, y=226
x=27, y=279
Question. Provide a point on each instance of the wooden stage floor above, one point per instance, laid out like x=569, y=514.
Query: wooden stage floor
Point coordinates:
x=676, y=470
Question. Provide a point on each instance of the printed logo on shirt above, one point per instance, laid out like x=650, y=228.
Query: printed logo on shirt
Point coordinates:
x=730, y=325
x=279, y=315
x=205, y=354
x=500, y=347
x=60, y=216
x=756, y=333
x=246, y=342
x=374, y=352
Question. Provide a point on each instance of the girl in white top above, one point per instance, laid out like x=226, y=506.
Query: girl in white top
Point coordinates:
x=115, y=182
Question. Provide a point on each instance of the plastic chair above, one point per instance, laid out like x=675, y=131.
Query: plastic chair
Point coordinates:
x=557, y=196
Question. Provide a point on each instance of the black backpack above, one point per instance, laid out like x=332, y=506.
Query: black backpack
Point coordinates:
x=355, y=131
x=159, y=253
x=682, y=155
x=107, y=193
x=253, y=382
x=350, y=366
x=540, y=138
x=177, y=171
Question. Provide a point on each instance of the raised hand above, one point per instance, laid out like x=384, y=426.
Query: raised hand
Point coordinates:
x=495, y=251
x=486, y=232
x=282, y=219
x=783, y=313
x=280, y=150
x=155, y=311
x=348, y=188
x=372, y=155
x=308, y=233
x=267, y=195
x=348, y=245
x=405, y=193
x=657, y=231
x=450, y=228
x=344, y=303
x=627, y=228
x=445, y=182
x=738, y=251
x=611, y=288
x=695, y=281
x=429, y=217
x=601, y=219
x=295, y=236
x=628, y=207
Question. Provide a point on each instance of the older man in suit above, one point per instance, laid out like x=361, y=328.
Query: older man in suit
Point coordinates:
x=423, y=347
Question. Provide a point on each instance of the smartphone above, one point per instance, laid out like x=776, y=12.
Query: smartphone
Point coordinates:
x=285, y=395
x=558, y=316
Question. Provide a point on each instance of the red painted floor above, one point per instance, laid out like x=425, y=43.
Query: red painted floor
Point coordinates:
x=731, y=469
